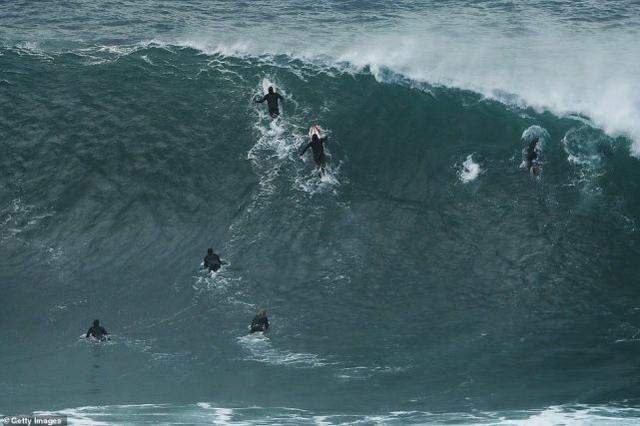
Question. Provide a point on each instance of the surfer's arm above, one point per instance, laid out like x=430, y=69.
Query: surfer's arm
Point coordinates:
x=264, y=98
x=305, y=149
x=88, y=334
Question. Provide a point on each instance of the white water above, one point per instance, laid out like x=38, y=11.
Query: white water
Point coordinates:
x=469, y=171
x=211, y=413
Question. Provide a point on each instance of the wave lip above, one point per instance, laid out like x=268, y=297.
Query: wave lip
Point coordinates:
x=557, y=69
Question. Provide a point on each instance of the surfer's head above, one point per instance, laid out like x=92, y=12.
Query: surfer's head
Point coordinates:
x=96, y=323
x=210, y=251
x=262, y=313
x=314, y=137
x=270, y=89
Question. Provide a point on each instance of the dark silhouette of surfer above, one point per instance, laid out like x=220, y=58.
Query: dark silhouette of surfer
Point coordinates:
x=97, y=332
x=260, y=322
x=272, y=102
x=532, y=157
x=212, y=261
x=317, y=147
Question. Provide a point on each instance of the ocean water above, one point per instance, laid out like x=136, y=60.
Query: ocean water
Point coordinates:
x=426, y=278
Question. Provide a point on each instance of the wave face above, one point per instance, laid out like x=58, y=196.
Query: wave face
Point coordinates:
x=425, y=278
x=563, y=57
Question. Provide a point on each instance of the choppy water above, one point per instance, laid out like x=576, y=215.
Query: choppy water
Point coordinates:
x=427, y=278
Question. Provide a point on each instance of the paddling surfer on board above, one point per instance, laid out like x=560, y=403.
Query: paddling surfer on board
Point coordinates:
x=212, y=261
x=98, y=332
x=317, y=147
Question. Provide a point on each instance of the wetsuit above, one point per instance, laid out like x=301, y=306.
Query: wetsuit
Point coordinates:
x=259, y=324
x=97, y=333
x=212, y=261
x=272, y=102
x=317, y=147
x=532, y=154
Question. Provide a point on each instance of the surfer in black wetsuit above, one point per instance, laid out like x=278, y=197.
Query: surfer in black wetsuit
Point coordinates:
x=532, y=157
x=272, y=101
x=317, y=147
x=260, y=322
x=212, y=261
x=97, y=332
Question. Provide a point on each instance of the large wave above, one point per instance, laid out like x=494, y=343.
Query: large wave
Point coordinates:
x=569, y=60
x=581, y=75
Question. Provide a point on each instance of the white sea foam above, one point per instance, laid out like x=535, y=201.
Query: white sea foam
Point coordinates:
x=584, y=154
x=17, y=217
x=469, y=170
x=314, y=182
x=259, y=349
x=363, y=373
x=32, y=48
x=212, y=413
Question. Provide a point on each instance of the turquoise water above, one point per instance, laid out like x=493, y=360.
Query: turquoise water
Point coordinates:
x=427, y=278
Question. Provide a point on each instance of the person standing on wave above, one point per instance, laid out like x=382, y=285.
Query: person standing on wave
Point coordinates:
x=272, y=102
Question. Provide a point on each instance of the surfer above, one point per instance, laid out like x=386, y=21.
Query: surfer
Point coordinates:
x=97, y=332
x=272, y=102
x=260, y=322
x=212, y=261
x=532, y=157
x=317, y=147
